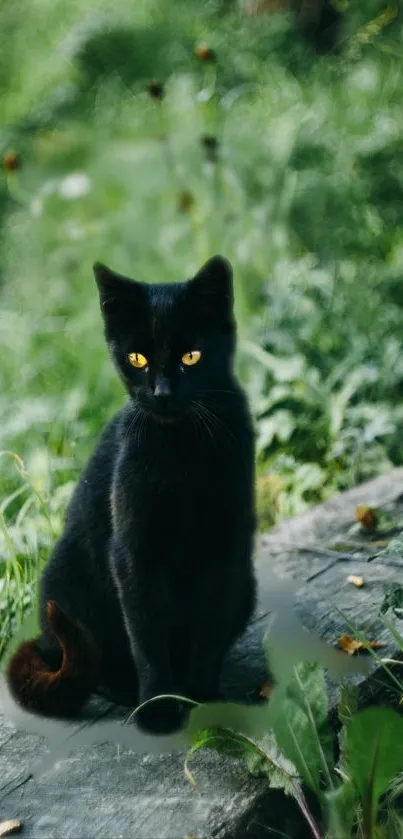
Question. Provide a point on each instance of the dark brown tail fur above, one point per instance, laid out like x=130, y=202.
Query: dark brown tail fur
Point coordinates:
x=62, y=692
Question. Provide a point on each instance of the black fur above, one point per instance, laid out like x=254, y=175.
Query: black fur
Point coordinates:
x=156, y=557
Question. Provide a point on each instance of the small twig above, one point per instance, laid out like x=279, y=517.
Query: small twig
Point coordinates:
x=355, y=543
x=322, y=571
x=343, y=556
x=338, y=556
x=391, y=559
x=17, y=785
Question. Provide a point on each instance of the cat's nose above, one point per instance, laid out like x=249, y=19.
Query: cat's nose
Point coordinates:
x=162, y=387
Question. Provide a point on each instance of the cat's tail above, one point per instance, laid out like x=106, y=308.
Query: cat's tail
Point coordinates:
x=62, y=692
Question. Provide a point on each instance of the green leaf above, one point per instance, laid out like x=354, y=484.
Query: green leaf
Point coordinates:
x=341, y=806
x=393, y=600
x=302, y=730
x=395, y=546
x=280, y=425
x=348, y=702
x=261, y=759
x=283, y=369
x=347, y=706
x=374, y=756
x=268, y=761
x=339, y=401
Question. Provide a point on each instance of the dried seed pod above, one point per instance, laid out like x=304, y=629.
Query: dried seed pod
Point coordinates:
x=11, y=161
x=156, y=90
x=185, y=201
x=204, y=53
x=210, y=145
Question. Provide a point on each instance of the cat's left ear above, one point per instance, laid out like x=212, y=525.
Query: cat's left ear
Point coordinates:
x=213, y=288
x=115, y=290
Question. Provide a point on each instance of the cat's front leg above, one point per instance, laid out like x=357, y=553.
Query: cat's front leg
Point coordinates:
x=221, y=614
x=145, y=603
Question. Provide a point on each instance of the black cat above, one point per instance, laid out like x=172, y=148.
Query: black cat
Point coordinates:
x=152, y=580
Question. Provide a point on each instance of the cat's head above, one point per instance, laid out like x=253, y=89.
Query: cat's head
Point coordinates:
x=172, y=343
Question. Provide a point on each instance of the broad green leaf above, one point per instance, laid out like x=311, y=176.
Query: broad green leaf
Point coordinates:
x=339, y=401
x=261, y=759
x=283, y=369
x=374, y=756
x=301, y=729
x=267, y=760
x=280, y=425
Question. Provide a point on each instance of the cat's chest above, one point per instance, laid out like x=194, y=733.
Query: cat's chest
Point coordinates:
x=170, y=474
x=172, y=481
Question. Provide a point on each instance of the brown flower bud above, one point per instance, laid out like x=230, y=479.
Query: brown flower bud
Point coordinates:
x=204, y=53
x=11, y=161
x=210, y=145
x=156, y=90
x=185, y=201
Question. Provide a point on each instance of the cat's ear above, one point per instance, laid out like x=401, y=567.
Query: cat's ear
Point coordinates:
x=212, y=287
x=114, y=289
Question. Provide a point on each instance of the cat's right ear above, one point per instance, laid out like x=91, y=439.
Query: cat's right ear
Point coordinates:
x=115, y=290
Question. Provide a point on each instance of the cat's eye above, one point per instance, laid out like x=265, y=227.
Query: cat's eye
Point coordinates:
x=190, y=358
x=137, y=359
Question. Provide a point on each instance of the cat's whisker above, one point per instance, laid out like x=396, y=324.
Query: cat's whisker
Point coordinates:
x=138, y=428
x=208, y=418
x=195, y=420
x=201, y=422
x=137, y=422
x=217, y=421
x=212, y=420
x=203, y=419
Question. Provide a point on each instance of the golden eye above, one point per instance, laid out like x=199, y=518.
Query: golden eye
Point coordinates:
x=191, y=357
x=137, y=359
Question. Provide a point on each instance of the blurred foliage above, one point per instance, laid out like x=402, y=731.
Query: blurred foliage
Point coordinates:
x=289, y=163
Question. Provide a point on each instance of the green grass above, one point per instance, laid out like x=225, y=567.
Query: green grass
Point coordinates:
x=305, y=199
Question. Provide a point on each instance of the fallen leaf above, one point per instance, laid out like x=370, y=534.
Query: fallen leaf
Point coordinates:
x=351, y=645
x=10, y=826
x=266, y=690
x=367, y=516
x=358, y=582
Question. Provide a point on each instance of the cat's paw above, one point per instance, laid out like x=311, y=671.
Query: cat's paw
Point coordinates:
x=162, y=716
